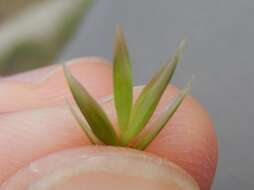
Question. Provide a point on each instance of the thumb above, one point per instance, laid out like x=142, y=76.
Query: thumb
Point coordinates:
x=101, y=168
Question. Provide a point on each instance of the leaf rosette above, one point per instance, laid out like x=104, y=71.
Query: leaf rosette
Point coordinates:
x=132, y=117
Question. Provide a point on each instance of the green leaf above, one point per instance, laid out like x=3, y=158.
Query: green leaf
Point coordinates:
x=122, y=80
x=149, y=98
x=94, y=114
x=84, y=125
x=163, y=118
x=38, y=33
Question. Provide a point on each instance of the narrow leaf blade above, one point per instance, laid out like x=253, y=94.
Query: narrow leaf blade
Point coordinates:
x=94, y=114
x=84, y=125
x=149, y=98
x=122, y=80
x=162, y=120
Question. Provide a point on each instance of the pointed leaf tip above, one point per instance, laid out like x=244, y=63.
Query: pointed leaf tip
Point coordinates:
x=122, y=80
x=163, y=118
x=150, y=97
x=182, y=46
x=94, y=114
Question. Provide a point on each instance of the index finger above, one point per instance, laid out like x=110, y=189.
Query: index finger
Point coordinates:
x=47, y=87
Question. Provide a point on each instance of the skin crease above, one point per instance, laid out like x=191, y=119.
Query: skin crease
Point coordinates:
x=38, y=122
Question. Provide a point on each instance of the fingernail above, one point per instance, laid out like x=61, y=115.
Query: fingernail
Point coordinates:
x=101, y=168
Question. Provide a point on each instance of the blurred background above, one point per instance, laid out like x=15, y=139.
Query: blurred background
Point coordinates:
x=220, y=54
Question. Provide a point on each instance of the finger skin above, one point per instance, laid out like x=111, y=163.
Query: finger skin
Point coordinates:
x=101, y=168
x=188, y=140
x=47, y=87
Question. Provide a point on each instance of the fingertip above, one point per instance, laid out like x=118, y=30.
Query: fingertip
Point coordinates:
x=94, y=73
x=37, y=75
x=47, y=86
x=189, y=139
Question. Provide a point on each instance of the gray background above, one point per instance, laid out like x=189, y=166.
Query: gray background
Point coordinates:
x=220, y=54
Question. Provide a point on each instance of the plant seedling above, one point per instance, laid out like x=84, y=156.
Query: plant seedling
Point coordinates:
x=132, y=116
